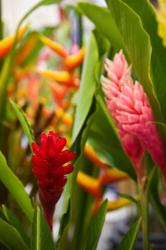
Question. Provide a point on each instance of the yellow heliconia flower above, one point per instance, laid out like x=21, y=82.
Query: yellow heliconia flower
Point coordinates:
x=26, y=49
x=90, y=184
x=73, y=61
x=19, y=73
x=66, y=118
x=112, y=175
x=56, y=47
x=161, y=17
x=7, y=43
x=120, y=202
x=62, y=77
x=91, y=155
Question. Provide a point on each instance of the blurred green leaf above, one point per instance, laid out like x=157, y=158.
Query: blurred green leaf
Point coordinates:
x=104, y=139
x=10, y=237
x=11, y=218
x=15, y=187
x=41, y=233
x=129, y=240
x=95, y=227
x=87, y=89
x=104, y=22
x=158, y=61
x=24, y=122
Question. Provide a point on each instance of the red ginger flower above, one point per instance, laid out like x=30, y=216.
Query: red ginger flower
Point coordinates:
x=50, y=165
x=132, y=113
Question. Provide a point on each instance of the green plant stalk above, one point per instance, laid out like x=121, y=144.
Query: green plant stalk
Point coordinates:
x=144, y=201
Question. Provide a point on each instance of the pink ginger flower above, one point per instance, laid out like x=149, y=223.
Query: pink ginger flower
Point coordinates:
x=132, y=113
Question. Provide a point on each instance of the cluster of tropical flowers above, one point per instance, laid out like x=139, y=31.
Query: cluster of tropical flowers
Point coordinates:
x=78, y=118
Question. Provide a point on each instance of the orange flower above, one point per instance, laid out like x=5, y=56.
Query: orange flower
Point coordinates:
x=112, y=175
x=73, y=61
x=91, y=185
x=66, y=118
x=91, y=155
x=62, y=77
x=56, y=47
x=7, y=43
x=27, y=48
x=118, y=203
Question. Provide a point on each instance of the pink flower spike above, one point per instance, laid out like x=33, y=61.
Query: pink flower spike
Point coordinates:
x=130, y=108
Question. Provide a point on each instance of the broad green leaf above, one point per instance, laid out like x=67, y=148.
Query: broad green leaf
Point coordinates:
x=103, y=138
x=11, y=218
x=81, y=202
x=87, y=89
x=136, y=45
x=129, y=240
x=10, y=237
x=95, y=227
x=158, y=61
x=24, y=122
x=15, y=187
x=104, y=22
x=41, y=233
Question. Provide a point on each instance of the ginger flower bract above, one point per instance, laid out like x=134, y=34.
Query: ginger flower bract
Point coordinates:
x=50, y=166
x=130, y=108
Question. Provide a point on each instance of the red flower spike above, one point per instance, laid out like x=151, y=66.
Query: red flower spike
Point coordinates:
x=50, y=165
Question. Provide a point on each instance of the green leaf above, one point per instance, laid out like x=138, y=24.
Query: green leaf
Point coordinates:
x=104, y=22
x=88, y=87
x=136, y=45
x=24, y=122
x=128, y=197
x=13, y=221
x=95, y=227
x=155, y=198
x=41, y=233
x=103, y=138
x=158, y=61
x=63, y=227
x=81, y=202
x=15, y=187
x=129, y=240
x=48, y=2
x=10, y=237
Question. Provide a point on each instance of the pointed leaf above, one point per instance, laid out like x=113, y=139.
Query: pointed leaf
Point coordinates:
x=129, y=240
x=24, y=122
x=87, y=89
x=41, y=233
x=104, y=22
x=11, y=218
x=136, y=45
x=148, y=17
x=95, y=227
x=10, y=237
x=15, y=187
